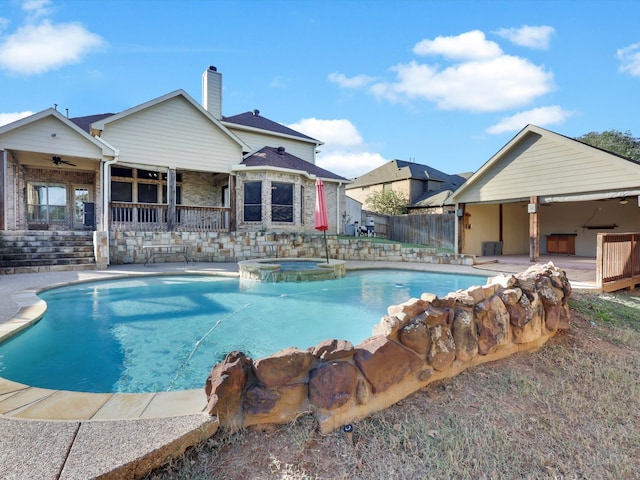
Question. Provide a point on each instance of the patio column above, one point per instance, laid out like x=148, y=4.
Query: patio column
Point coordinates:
x=232, y=203
x=460, y=212
x=171, y=199
x=534, y=228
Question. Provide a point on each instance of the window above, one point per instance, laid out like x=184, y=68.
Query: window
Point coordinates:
x=282, y=202
x=121, y=192
x=253, y=201
x=165, y=195
x=46, y=202
x=147, y=193
x=121, y=172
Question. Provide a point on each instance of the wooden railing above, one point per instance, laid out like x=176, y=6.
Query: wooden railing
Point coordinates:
x=155, y=218
x=618, y=261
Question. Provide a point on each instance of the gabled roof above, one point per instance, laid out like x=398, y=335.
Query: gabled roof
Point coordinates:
x=433, y=199
x=85, y=122
x=52, y=112
x=254, y=121
x=396, y=170
x=278, y=158
x=540, y=162
x=105, y=120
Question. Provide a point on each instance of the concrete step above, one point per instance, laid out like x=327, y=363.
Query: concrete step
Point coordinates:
x=32, y=250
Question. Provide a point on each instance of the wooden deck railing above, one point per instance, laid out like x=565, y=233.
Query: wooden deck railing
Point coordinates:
x=618, y=261
x=154, y=218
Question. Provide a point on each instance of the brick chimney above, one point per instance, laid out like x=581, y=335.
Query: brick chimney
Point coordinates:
x=212, y=92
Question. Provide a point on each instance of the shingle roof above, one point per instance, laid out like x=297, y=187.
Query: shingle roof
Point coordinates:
x=278, y=157
x=85, y=122
x=401, y=170
x=253, y=119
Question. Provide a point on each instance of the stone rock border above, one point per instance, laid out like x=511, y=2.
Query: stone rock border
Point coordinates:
x=418, y=342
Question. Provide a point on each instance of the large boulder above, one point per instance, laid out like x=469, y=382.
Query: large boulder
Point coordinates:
x=465, y=334
x=385, y=363
x=493, y=324
x=225, y=385
x=286, y=366
x=331, y=385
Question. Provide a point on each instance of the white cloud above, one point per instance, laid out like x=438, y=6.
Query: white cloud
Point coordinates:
x=466, y=46
x=350, y=164
x=479, y=77
x=340, y=133
x=630, y=59
x=41, y=45
x=543, y=116
x=6, y=118
x=350, y=82
x=4, y=23
x=36, y=9
x=490, y=85
x=537, y=37
x=344, y=151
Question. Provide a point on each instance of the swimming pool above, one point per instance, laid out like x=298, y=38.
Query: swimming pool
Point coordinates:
x=162, y=333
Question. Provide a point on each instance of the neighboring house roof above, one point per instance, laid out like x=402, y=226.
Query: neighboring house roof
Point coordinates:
x=539, y=162
x=85, y=122
x=396, y=170
x=433, y=199
x=277, y=157
x=253, y=120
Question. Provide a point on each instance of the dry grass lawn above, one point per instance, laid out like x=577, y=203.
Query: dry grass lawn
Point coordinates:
x=568, y=411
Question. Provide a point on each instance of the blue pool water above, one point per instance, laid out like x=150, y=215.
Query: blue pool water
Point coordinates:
x=161, y=333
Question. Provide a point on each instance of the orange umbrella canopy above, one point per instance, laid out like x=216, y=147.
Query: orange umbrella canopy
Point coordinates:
x=322, y=219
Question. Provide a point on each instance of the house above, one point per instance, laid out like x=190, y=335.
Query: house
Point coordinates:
x=168, y=165
x=426, y=188
x=545, y=193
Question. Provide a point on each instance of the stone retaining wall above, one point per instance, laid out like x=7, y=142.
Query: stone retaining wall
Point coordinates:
x=126, y=247
x=416, y=343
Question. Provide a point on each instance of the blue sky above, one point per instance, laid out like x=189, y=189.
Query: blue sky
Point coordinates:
x=444, y=83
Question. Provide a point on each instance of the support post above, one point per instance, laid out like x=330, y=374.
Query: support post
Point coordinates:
x=171, y=199
x=534, y=229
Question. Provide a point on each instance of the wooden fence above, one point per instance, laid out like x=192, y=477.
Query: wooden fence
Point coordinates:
x=618, y=261
x=434, y=230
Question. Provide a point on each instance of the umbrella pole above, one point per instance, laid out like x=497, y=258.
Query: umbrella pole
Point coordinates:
x=326, y=246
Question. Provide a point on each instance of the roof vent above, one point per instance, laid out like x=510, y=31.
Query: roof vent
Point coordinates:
x=256, y=112
x=280, y=150
x=212, y=68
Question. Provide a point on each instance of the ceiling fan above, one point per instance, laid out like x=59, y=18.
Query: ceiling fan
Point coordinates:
x=57, y=161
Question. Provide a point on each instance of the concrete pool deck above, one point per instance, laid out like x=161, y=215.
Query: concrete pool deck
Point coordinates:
x=72, y=435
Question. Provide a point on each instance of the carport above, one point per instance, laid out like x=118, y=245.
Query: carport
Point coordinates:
x=544, y=193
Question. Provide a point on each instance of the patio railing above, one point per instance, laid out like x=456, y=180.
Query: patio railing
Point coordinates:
x=618, y=261
x=148, y=217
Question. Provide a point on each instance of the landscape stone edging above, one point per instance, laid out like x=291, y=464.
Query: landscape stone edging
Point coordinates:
x=415, y=344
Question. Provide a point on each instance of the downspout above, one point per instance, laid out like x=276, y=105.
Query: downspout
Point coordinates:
x=5, y=184
x=106, y=190
x=338, y=217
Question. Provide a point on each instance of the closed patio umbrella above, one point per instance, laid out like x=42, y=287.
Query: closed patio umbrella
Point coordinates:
x=322, y=219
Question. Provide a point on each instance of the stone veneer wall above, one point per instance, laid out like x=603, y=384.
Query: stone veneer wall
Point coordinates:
x=126, y=247
x=418, y=342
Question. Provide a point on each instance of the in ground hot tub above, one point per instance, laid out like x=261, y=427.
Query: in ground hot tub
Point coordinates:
x=291, y=269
